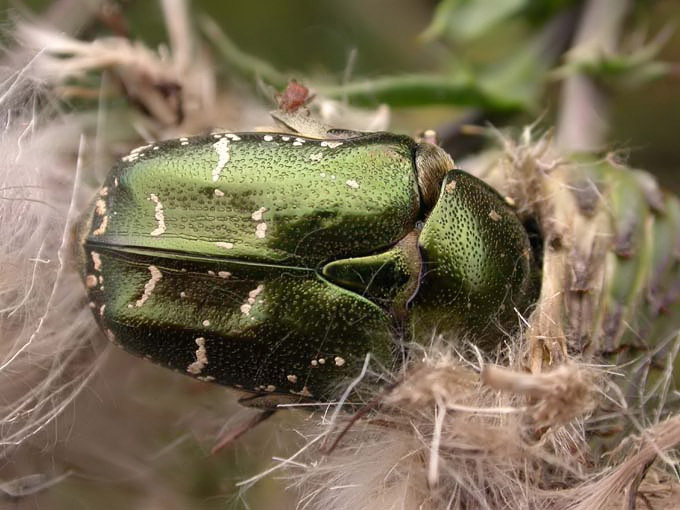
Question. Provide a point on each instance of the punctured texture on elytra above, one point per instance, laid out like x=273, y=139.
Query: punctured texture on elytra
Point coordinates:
x=274, y=263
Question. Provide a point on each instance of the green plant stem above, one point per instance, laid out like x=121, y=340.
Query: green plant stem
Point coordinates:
x=420, y=90
x=402, y=90
x=247, y=65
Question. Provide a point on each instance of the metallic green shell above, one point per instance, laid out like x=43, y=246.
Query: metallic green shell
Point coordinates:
x=481, y=268
x=275, y=263
x=264, y=198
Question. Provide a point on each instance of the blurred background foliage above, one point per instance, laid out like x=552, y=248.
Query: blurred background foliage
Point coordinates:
x=436, y=64
x=441, y=58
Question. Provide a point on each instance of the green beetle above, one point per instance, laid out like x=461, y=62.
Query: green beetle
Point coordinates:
x=274, y=263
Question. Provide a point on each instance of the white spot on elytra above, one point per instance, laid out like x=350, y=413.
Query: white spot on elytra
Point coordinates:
x=182, y=294
x=268, y=138
x=285, y=138
x=330, y=145
x=297, y=144
x=270, y=388
x=226, y=246
x=339, y=361
x=254, y=293
x=90, y=281
x=100, y=207
x=233, y=137
x=102, y=227
x=316, y=157
x=257, y=215
x=292, y=378
x=250, y=300
x=219, y=193
x=222, y=148
x=206, y=323
x=184, y=143
x=315, y=363
x=322, y=361
x=96, y=260
x=160, y=217
x=104, y=191
x=139, y=149
x=184, y=139
x=201, y=357
x=150, y=285
x=352, y=184
x=102, y=309
x=224, y=274
x=261, y=229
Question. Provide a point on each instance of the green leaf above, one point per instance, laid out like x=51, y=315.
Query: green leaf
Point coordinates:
x=465, y=20
x=423, y=90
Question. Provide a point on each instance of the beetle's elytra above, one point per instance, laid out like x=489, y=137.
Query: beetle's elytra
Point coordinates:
x=273, y=263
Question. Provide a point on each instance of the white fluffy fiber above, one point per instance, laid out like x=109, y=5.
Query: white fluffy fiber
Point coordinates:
x=45, y=353
x=458, y=433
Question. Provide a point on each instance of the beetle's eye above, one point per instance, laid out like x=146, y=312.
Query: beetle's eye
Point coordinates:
x=432, y=163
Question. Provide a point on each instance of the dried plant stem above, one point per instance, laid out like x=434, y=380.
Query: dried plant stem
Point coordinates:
x=582, y=122
x=659, y=439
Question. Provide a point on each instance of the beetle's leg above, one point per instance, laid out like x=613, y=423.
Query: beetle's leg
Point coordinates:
x=233, y=434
